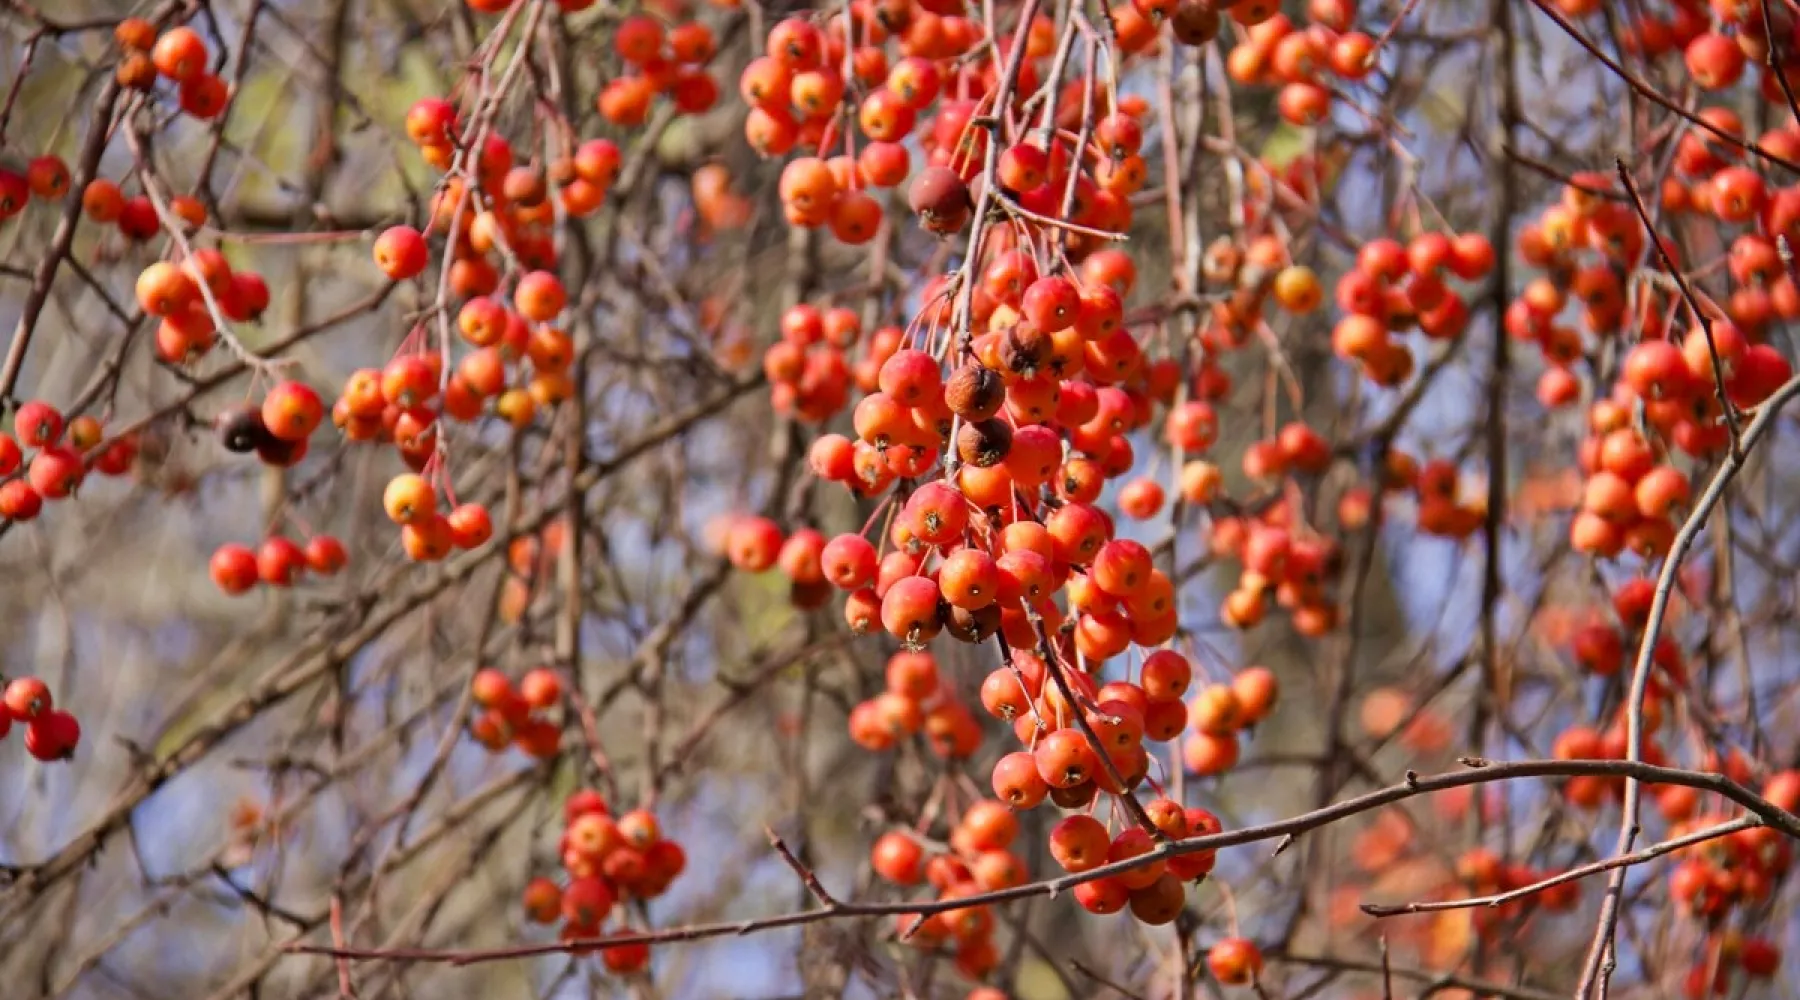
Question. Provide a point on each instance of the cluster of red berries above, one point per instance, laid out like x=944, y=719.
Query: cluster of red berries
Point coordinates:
x=517, y=715
x=1484, y=873
x=796, y=90
x=1602, y=647
x=1634, y=496
x=406, y=402
x=1587, y=240
x=279, y=430
x=808, y=369
x=1396, y=286
x=50, y=733
x=515, y=211
x=46, y=177
x=1282, y=557
x=426, y=535
x=529, y=559
x=179, y=56
x=1220, y=712
x=65, y=450
x=659, y=60
x=187, y=297
x=1715, y=52
x=1731, y=874
x=1727, y=953
x=507, y=213
x=915, y=701
x=278, y=562
x=1680, y=381
x=1276, y=51
x=980, y=860
x=401, y=402
x=1745, y=867
x=936, y=90
x=608, y=861
x=105, y=202
x=1090, y=191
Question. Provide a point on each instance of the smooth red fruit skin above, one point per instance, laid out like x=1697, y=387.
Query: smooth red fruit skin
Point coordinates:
x=38, y=424
x=291, y=411
x=849, y=561
x=540, y=296
x=179, y=54
x=543, y=901
x=898, y=858
x=52, y=736
x=10, y=455
x=587, y=901
x=56, y=472
x=325, y=555
x=249, y=297
x=234, y=568
x=583, y=802
x=470, y=525
x=18, y=501
x=27, y=698
x=1234, y=961
x=279, y=561
x=753, y=544
x=622, y=959
x=1102, y=896
x=541, y=687
x=1760, y=958
x=402, y=252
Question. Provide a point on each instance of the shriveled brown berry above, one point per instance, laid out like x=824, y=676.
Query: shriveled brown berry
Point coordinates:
x=941, y=200
x=983, y=443
x=1024, y=348
x=974, y=392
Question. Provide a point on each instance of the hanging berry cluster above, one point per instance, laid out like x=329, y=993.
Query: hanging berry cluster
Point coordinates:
x=518, y=715
x=50, y=733
x=65, y=450
x=607, y=861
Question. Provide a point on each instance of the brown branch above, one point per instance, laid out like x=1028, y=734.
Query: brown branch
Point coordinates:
x=1640, y=676
x=100, y=125
x=1656, y=96
x=807, y=876
x=1438, y=980
x=1476, y=772
x=1638, y=857
x=1687, y=295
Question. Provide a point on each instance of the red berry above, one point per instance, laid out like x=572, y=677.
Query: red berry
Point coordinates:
x=38, y=424
x=234, y=568
x=325, y=555
x=291, y=411
x=26, y=698
x=56, y=472
x=279, y=562
x=52, y=736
